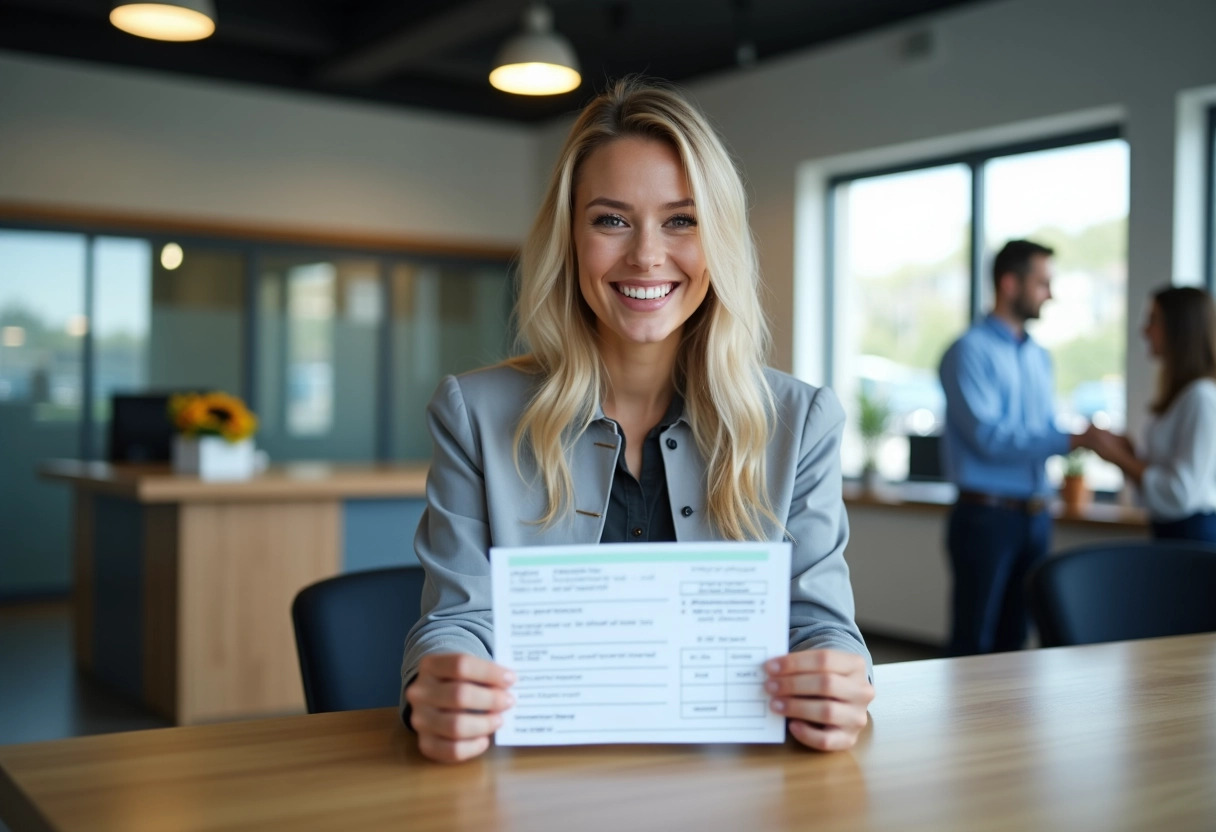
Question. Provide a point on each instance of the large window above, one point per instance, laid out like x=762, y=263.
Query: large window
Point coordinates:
x=911, y=255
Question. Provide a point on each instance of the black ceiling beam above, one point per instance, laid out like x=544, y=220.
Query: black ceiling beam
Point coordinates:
x=416, y=44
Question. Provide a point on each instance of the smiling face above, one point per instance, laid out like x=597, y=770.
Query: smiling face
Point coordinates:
x=641, y=268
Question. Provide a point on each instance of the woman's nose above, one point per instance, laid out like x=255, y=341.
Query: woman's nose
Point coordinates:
x=645, y=251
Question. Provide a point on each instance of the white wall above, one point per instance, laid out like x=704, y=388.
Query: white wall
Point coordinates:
x=82, y=135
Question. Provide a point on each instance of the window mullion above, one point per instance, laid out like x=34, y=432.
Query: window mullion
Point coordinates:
x=977, y=237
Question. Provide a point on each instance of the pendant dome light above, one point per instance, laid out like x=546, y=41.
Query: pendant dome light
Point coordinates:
x=173, y=20
x=538, y=61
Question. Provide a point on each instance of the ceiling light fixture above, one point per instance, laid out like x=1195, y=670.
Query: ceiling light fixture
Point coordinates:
x=174, y=20
x=538, y=61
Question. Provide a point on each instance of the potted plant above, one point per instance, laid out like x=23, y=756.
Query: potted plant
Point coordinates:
x=872, y=418
x=214, y=438
x=1073, y=491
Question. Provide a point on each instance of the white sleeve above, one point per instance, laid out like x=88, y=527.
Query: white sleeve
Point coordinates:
x=1180, y=484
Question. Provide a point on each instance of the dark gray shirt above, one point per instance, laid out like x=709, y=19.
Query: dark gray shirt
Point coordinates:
x=639, y=508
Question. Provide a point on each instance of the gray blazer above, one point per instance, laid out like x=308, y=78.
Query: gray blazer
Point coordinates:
x=476, y=499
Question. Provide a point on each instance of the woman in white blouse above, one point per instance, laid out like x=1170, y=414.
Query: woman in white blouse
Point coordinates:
x=1176, y=470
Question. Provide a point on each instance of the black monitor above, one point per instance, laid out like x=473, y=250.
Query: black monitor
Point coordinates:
x=140, y=430
x=924, y=458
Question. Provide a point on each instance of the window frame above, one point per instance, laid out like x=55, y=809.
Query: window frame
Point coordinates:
x=975, y=160
x=1209, y=202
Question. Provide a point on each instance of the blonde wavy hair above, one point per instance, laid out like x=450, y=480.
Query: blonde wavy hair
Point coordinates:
x=719, y=371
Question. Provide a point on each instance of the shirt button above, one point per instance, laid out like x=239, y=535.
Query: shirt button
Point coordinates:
x=671, y=443
x=637, y=532
x=686, y=511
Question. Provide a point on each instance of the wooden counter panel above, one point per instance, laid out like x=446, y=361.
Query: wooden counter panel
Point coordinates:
x=161, y=592
x=82, y=580
x=295, y=481
x=240, y=567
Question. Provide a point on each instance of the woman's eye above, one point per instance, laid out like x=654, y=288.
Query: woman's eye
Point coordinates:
x=609, y=221
x=683, y=221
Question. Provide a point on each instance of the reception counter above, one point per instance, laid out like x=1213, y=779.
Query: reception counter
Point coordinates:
x=183, y=588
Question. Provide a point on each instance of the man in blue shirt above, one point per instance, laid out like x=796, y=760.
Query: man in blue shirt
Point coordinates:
x=999, y=432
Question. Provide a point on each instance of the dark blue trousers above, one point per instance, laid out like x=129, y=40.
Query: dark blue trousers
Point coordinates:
x=1200, y=527
x=991, y=551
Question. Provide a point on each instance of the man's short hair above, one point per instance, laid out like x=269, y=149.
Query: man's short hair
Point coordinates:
x=1015, y=257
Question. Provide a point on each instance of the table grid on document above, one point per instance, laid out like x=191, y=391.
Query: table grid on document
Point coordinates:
x=717, y=682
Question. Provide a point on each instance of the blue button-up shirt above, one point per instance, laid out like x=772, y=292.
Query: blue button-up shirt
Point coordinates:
x=1000, y=425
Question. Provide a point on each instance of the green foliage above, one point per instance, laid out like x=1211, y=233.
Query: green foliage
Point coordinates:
x=1074, y=463
x=909, y=318
x=873, y=414
x=1093, y=249
x=1097, y=355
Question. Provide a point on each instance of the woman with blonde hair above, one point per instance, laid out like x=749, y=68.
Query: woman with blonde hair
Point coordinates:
x=641, y=411
x=1176, y=471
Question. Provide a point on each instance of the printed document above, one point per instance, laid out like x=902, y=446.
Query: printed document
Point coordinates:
x=640, y=643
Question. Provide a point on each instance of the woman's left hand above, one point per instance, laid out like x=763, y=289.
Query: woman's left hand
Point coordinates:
x=824, y=693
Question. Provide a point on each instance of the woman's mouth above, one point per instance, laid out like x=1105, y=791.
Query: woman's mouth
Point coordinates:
x=652, y=292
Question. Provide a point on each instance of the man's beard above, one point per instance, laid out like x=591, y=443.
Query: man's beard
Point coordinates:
x=1024, y=310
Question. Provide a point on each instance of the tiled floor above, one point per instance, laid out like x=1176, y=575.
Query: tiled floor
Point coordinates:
x=42, y=697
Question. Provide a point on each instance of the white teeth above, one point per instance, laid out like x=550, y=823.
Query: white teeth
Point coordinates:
x=649, y=293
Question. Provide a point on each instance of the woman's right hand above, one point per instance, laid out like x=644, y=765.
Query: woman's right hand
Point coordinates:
x=457, y=702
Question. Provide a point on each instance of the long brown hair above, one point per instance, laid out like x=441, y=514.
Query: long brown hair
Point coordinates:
x=1188, y=321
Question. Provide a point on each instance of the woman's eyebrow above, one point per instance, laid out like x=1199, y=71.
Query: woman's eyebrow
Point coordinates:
x=625, y=206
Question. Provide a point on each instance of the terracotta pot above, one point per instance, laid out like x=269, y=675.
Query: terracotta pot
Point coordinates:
x=1075, y=495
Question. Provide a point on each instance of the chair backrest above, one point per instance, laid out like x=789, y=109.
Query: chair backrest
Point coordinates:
x=1120, y=591
x=350, y=636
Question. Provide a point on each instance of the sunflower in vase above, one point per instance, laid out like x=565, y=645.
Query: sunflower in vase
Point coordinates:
x=214, y=436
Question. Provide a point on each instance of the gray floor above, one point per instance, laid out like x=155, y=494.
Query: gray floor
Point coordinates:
x=42, y=697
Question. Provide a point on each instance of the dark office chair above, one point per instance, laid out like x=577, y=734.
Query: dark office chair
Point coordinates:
x=1118, y=591
x=350, y=634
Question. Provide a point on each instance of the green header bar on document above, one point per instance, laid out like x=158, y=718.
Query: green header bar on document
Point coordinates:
x=641, y=557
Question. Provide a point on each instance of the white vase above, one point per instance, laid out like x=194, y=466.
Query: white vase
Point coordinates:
x=213, y=458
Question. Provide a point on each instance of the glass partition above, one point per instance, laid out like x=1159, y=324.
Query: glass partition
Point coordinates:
x=42, y=329
x=318, y=357
x=445, y=320
x=122, y=321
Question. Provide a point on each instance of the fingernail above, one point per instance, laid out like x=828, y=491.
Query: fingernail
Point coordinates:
x=773, y=666
x=509, y=677
x=510, y=699
x=771, y=687
x=778, y=706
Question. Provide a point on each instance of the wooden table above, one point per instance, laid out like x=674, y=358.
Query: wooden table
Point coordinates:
x=1107, y=737
x=183, y=588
